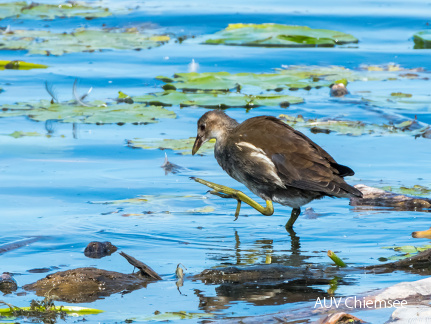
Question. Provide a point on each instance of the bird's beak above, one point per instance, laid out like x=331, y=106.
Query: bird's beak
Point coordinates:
x=197, y=145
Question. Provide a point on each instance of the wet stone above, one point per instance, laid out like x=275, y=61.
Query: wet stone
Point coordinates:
x=83, y=285
x=7, y=283
x=97, y=250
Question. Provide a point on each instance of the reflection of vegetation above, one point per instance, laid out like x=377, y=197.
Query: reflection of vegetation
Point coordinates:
x=216, y=99
x=172, y=316
x=23, y=10
x=357, y=128
x=422, y=39
x=80, y=40
x=183, y=146
x=45, y=311
x=276, y=35
x=97, y=112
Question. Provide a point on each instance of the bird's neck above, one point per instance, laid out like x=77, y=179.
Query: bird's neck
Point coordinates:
x=227, y=126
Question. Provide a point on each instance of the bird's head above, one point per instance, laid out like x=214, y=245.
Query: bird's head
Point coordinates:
x=212, y=124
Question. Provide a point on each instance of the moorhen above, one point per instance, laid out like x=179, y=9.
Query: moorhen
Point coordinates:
x=273, y=160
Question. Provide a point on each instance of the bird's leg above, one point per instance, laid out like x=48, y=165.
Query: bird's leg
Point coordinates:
x=226, y=192
x=293, y=217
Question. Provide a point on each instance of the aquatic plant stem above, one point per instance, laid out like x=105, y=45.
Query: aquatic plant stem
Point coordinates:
x=227, y=192
x=336, y=259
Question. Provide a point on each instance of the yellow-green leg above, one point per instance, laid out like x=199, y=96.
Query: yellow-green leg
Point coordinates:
x=226, y=192
x=293, y=217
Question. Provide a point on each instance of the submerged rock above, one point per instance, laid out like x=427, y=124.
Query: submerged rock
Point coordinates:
x=7, y=283
x=97, y=250
x=338, y=90
x=381, y=198
x=83, y=285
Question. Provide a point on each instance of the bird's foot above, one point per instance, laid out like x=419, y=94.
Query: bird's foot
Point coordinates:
x=227, y=192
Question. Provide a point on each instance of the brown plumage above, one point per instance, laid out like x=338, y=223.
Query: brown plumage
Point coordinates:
x=275, y=161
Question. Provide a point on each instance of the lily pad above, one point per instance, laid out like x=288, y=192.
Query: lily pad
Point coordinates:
x=23, y=10
x=80, y=40
x=276, y=35
x=184, y=146
x=20, y=65
x=97, y=112
x=419, y=102
x=216, y=99
x=422, y=39
x=224, y=81
x=355, y=128
x=291, y=77
x=406, y=250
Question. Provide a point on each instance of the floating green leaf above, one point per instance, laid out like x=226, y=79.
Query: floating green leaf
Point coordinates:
x=416, y=190
x=80, y=40
x=184, y=146
x=98, y=112
x=276, y=35
x=20, y=65
x=355, y=128
x=224, y=81
x=406, y=250
x=216, y=99
x=402, y=102
x=422, y=39
x=70, y=310
x=401, y=95
x=23, y=10
x=291, y=77
x=19, y=134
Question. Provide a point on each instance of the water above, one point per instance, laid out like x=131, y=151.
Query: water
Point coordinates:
x=47, y=183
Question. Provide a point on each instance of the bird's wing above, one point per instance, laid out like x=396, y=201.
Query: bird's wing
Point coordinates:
x=298, y=161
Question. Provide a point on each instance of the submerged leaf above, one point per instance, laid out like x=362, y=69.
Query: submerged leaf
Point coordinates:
x=80, y=40
x=183, y=145
x=276, y=35
x=216, y=99
x=20, y=65
x=23, y=10
x=144, y=199
x=422, y=39
x=171, y=316
x=202, y=210
x=97, y=113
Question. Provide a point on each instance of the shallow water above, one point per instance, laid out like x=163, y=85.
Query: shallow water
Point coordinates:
x=48, y=184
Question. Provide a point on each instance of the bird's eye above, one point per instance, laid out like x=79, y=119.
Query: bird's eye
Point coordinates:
x=202, y=127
